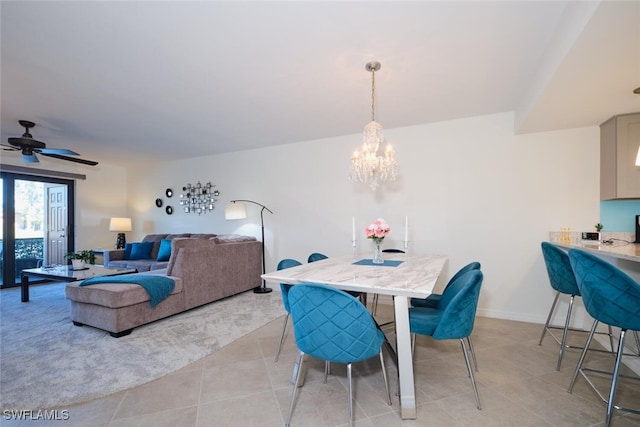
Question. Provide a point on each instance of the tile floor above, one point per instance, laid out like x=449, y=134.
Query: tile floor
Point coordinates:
x=242, y=386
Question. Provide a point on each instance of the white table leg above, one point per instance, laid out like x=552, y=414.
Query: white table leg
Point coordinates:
x=405, y=359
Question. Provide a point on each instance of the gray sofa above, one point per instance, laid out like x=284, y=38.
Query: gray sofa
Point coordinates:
x=204, y=270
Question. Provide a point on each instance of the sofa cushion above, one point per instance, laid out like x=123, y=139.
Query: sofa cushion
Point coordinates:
x=119, y=263
x=127, y=250
x=141, y=250
x=233, y=238
x=155, y=239
x=113, y=295
x=164, y=253
x=141, y=265
x=202, y=236
x=173, y=236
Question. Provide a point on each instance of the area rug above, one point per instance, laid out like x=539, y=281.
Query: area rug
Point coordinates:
x=47, y=362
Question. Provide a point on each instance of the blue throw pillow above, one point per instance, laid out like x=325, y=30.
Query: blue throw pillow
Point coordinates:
x=164, y=253
x=127, y=250
x=141, y=250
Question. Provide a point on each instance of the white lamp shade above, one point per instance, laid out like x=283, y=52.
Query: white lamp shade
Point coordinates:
x=235, y=210
x=120, y=224
x=638, y=158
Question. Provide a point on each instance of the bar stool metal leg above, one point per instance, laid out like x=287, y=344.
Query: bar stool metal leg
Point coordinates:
x=546, y=325
x=614, y=380
x=473, y=353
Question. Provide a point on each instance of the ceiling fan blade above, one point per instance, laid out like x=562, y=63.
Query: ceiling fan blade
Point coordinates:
x=9, y=147
x=30, y=158
x=71, y=159
x=62, y=151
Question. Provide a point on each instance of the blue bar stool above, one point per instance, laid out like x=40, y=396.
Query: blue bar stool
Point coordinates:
x=611, y=297
x=563, y=281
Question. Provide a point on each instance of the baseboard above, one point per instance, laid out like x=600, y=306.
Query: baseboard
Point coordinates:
x=505, y=315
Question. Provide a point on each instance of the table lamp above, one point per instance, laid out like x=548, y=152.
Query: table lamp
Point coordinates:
x=238, y=210
x=120, y=225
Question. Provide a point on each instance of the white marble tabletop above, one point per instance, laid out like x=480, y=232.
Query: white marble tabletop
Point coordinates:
x=415, y=276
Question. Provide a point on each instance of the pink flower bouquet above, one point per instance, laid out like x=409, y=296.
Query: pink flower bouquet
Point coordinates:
x=378, y=230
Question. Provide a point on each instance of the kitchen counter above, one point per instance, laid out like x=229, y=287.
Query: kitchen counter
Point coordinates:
x=620, y=248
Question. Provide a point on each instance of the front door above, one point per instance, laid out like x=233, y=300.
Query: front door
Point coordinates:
x=56, y=231
x=37, y=213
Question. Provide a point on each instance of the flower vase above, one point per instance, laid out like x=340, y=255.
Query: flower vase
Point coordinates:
x=377, y=252
x=77, y=264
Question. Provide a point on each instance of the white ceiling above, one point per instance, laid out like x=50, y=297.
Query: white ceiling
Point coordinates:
x=166, y=80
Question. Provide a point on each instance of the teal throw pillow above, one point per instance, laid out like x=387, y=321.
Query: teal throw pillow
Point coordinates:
x=127, y=250
x=141, y=250
x=164, y=253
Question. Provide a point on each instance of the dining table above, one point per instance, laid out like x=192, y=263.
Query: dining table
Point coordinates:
x=402, y=276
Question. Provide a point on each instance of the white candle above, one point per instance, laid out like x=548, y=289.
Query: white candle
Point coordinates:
x=406, y=229
x=353, y=229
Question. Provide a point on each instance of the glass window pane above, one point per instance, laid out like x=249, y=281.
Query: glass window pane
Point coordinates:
x=29, y=225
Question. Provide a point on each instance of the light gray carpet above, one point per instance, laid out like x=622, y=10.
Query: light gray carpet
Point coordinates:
x=46, y=362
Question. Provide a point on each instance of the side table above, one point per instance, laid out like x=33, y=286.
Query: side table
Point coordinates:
x=100, y=255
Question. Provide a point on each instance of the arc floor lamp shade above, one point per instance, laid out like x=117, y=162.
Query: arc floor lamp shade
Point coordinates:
x=120, y=225
x=236, y=210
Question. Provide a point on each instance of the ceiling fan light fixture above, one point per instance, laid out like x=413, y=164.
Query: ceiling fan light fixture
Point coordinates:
x=29, y=147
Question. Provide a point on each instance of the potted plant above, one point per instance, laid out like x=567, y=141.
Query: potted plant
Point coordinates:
x=599, y=228
x=80, y=258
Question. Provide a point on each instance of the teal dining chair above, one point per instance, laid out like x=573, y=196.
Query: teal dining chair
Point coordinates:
x=317, y=256
x=284, y=290
x=611, y=297
x=454, y=318
x=433, y=299
x=332, y=325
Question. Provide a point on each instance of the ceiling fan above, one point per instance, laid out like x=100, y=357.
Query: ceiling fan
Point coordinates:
x=30, y=147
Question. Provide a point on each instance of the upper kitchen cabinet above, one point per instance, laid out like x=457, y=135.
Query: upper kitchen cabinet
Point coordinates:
x=619, y=142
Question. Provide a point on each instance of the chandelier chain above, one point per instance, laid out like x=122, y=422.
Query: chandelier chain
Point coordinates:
x=373, y=95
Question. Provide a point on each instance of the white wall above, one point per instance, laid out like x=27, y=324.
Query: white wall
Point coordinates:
x=471, y=189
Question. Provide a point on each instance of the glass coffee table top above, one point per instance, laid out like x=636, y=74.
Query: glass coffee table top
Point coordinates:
x=66, y=272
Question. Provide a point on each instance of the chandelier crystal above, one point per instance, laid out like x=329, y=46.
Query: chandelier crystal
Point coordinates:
x=367, y=165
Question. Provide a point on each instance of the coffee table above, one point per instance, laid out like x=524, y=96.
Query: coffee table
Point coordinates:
x=65, y=273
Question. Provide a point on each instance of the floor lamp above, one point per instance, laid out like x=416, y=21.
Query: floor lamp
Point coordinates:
x=238, y=210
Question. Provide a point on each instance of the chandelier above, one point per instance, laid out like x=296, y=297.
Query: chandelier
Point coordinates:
x=367, y=165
